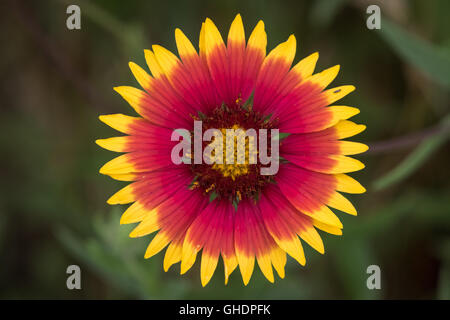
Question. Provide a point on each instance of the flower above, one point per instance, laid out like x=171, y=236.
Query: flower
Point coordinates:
x=231, y=210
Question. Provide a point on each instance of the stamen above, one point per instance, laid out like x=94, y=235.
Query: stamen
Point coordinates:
x=236, y=177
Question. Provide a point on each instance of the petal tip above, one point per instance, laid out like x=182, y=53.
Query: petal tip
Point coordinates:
x=99, y=142
x=157, y=47
x=260, y=25
x=356, y=111
x=363, y=190
x=103, y=169
x=183, y=268
x=204, y=282
x=238, y=18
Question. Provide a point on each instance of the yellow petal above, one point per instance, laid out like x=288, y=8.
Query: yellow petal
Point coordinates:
x=188, y=256
x=166, y=59
x=230, y=263
x=258, y=38
x=207, y=267
x=123, y=196
x=346, y=129
x=184, y=45
x=172, y=256
x=327, y=228
x=278, y=257
x=158, y=243
x=124, y=176
x=334, y=94
x=293, y=247
x=305, y=67
x=324, y=78
x=284, y=51
x=119, y=165
x=338, y=201
x=149, y=225
x=132, y=95
x=153, y=64
x=135, y=213
x=350, y=147
x=201, y=41
x=342, y=113
x=141, y=76
x=237, y=33
x=325, y=215
x=246, y=266
x=213, y=39
x=345, y=164
x=312, y=237
x=265, y=264
x=116, y=144
x=347, y=184
x=118, y=121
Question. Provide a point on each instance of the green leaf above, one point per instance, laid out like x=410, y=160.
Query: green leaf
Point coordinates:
x=416, y=158
x=431, y=60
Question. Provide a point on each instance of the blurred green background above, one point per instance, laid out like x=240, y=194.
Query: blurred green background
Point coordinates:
x=55, y=82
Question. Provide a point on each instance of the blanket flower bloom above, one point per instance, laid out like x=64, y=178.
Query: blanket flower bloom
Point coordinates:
x=230, y=210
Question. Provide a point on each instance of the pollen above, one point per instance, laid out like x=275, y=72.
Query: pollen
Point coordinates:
x=234, y=169
x=237, y=152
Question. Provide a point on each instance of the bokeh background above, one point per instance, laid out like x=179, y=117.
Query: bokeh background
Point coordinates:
x=55, y=82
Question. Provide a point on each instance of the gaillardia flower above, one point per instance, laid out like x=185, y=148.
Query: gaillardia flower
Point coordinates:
x=233, y=210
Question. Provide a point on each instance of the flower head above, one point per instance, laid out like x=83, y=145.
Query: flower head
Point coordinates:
x=230, y=208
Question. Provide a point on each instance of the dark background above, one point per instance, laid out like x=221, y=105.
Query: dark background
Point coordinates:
x=55, y=82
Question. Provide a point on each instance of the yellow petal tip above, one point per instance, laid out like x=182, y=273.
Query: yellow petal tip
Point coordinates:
x=183, y=268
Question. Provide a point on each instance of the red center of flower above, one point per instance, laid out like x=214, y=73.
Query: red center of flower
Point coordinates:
x=233, y=181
